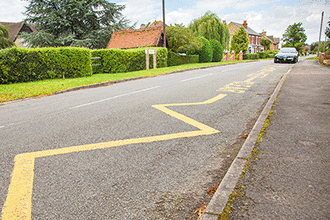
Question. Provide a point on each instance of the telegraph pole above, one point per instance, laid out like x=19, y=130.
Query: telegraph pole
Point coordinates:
x=318, y=50
x=164, y=32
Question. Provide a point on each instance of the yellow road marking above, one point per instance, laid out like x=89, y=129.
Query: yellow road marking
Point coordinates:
x=18, y=204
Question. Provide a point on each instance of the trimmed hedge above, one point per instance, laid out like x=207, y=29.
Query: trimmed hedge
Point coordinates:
x=250, y=56
x=206, y=52
x=175, y=59
x=118, y=60
x=259, y=55
x=24, y=65
x=217, y=50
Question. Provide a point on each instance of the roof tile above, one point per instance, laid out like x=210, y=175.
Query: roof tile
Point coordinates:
x=145, y=37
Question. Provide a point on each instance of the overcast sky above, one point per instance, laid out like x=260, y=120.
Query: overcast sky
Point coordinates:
x=273, y=16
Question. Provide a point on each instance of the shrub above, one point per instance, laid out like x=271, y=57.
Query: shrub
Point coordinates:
x=24, y=65
x=217, y=50
x=206, y=52
x=262, y=55
x=175, y=59
x=118, y=60
x=250, y=56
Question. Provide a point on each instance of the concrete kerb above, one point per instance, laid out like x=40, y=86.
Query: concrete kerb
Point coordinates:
x=229, y=182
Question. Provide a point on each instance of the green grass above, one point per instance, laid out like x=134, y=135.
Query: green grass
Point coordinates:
x=10, y=92
x=312, y=58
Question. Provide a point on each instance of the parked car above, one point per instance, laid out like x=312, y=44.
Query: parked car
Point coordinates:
x=286, y=54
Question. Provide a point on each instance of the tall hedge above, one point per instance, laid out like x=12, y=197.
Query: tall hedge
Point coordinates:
x=24, y=65
x=118, y=60
x=217, y=50
x=175, y=59
x=206, y=52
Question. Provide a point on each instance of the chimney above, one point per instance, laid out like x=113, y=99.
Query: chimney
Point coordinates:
x=224, y=22
x=263, y=33
x=245, y=24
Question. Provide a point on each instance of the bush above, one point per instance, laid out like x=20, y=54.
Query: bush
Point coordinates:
x=118, y=60
x=262, y=55
x=217, y=50
x=175, y=59
x=24, y=65
x=250, y=56
x=206, y=52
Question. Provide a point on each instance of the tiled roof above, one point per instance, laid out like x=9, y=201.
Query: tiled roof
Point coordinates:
x=248, y=30
x=145, y=37
x=15, y=28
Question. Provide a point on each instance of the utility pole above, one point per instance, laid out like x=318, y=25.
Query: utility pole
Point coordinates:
x=164, y=32
x=318, y=50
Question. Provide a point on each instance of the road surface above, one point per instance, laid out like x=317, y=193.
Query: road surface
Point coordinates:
x=144, y=149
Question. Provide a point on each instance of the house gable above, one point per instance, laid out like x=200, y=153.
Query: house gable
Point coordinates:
x=254, y=37
x=16, y=28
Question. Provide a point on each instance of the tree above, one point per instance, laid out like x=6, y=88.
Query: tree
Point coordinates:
x=266, y=43
x=210, y=27
x=88, y=23
x=182, y=39
x=4, y=38
x=240, y=41
x=327, y=31
x=294, y=34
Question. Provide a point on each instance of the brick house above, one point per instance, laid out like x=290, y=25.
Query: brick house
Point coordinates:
x=275, y=45
x=254, y=38
x=15, y=29
x=152, y=36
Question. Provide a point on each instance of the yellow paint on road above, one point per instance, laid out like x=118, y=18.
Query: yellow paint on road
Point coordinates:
x=18, y=204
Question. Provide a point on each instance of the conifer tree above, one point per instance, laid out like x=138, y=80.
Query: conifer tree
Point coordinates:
x=87, y=23
x=240, y=41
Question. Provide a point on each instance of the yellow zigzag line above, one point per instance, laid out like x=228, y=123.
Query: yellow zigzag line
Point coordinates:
x=18, y=204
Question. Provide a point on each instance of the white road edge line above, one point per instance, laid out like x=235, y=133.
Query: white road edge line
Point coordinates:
x=114, y=97
x=196, y=77
x=228, y=70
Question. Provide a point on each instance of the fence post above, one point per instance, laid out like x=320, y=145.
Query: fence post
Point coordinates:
x=155, y=59
x=147, y=59
x=240, y=57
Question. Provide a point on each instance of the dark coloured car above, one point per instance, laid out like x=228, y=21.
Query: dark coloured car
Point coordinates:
x=286, y=54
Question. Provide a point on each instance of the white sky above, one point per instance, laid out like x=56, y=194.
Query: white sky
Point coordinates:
x=273, y=16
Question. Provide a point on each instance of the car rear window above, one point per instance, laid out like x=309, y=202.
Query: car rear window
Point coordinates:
x=288, y=50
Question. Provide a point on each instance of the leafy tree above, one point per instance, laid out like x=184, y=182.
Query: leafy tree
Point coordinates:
x=88, y=23
x=327, y=31
x=4, y=38
x=182, y=39
x=240, y=41
x=266, y=43
x=294, y=34
x=210, y=27
x=217, y=50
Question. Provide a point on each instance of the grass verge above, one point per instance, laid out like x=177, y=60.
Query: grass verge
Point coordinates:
x=10, y=92
x=312, y=58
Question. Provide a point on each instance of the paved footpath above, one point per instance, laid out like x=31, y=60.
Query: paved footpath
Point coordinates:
x=289, y=177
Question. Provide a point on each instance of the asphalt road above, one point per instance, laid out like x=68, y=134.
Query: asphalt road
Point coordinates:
x=120, y=152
